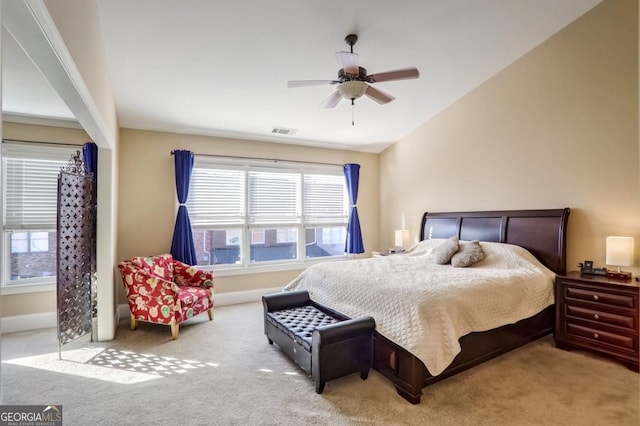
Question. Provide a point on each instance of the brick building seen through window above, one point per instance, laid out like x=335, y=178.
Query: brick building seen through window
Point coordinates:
x=217, y=247
x=33, y=254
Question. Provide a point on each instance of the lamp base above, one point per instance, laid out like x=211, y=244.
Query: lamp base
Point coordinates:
x=619, y=275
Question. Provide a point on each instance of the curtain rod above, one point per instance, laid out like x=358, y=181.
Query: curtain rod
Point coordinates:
x=42, y=143
x=265, y=159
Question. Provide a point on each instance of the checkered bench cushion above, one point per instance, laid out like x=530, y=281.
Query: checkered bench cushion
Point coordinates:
x=300, y=322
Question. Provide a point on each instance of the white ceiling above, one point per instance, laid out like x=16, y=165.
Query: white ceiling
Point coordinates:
x=221, y=67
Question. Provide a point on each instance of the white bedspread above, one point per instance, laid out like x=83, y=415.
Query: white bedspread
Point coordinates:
x=425, y=307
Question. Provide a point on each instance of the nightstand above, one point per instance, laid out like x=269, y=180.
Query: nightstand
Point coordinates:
x=386, y=253
x=598, y=314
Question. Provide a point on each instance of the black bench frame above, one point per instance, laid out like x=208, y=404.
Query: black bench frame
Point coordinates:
x=336, y=349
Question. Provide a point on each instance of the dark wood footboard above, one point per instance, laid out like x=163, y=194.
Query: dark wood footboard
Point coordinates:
x=400, y=366
x=409, y=375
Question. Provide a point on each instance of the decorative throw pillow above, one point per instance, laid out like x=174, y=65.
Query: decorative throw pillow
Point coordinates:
x=442, y=254
x=469, y=253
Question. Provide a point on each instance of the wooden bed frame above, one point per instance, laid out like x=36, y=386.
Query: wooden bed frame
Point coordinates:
x=542, y=232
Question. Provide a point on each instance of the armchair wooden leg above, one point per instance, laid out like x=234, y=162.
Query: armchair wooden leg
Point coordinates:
x=175, y=329
x=210, y=313
x=134, y=322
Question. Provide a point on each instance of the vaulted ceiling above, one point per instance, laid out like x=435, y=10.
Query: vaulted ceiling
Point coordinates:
x=221, y=67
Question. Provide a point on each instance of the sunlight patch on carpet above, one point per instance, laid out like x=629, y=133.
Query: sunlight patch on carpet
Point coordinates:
x=145, y=363
x=112, y=365
x=76, y=363
x=286, y=373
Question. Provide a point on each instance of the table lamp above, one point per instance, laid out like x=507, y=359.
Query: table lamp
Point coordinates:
x=619, y=253
x=401, y=238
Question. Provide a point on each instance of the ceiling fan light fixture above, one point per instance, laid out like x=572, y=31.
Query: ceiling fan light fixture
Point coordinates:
x=352, y=89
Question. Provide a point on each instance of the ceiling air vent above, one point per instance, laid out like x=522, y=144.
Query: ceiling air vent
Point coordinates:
x=283, y=131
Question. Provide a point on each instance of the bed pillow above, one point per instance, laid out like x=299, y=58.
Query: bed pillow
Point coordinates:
x=442, y=254
x=469, y=253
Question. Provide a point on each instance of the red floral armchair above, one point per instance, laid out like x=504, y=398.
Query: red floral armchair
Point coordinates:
x=163, y=290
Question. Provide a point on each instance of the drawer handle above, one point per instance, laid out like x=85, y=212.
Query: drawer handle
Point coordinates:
x=596, y=335
x=596, y=316
x=595, y=297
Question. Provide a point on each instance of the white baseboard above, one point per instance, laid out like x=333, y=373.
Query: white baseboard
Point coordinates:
x=49, y=319
x=238, y=297
x=28, y=322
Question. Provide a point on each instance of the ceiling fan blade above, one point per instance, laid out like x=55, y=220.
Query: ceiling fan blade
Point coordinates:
x=401, y=74
x=378, y=95
x=305, y=83
x=332, y=100
x=349, y=61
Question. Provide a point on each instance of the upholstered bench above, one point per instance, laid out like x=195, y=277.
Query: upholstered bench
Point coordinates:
x=325, y=344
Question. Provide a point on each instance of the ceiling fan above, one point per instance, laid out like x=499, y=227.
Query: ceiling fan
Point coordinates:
x=353, y=81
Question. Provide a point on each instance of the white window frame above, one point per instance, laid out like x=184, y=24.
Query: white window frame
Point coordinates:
x=29, y=150
x=301, y=223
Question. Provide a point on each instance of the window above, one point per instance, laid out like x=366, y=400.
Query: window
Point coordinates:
x=29, y=242
x=257, y=236
x=247, y=214
x=287, y=235
x=233, y=237
x=19, y=242
x=29, y=211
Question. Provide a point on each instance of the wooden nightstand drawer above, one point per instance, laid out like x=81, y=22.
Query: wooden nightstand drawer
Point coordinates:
x=623, y=300
x=626, y=342
x=626, y=321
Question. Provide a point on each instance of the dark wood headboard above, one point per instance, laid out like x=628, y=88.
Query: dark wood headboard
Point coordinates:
x=542, y=232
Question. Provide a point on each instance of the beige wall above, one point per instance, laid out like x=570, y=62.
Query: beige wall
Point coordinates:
x=35, y=133
x=558, y=128
x=30, y=303
x=147, y=200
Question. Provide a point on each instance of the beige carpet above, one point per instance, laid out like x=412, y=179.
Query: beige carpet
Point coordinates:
x=224, y=373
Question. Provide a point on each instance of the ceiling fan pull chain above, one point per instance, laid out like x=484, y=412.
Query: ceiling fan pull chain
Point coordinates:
x=353, y=113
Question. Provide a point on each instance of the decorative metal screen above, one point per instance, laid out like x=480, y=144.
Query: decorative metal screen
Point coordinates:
x=76, y=247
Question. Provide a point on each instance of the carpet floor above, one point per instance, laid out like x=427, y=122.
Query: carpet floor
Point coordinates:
x=225, y=373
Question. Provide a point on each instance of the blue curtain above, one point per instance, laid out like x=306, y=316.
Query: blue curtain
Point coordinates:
x=90, y=157
x=182, y=246
x=354, y=244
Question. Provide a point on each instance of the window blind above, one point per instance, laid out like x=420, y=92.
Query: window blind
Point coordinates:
x=274, y=197
x=216, y=196
x=30, y=189
x=325, y=199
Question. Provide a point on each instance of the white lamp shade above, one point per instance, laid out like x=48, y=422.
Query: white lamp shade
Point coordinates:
x=402, y=238
x=619, y=251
